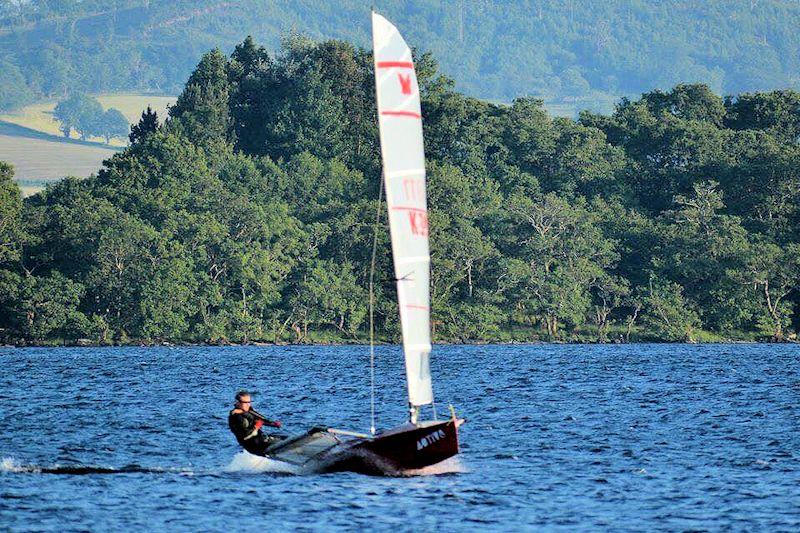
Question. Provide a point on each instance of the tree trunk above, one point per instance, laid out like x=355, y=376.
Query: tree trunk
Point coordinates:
x=772, y=307
x=552, y=325
x=469, y=277
x=631, y=321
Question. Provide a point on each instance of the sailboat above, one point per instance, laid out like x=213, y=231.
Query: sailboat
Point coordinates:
x=416, y=443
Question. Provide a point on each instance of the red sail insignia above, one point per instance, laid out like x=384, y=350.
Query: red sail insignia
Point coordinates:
x=405, y=83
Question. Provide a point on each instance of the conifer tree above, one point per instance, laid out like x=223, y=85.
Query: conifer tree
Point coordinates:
x=147, y=124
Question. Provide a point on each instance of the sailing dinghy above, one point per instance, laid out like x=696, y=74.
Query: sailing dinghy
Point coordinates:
x=415, y=444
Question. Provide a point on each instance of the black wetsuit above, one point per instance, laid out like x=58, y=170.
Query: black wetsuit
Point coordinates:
x=243, y=426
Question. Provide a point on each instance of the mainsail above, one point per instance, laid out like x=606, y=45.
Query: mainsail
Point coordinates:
x=400, y=121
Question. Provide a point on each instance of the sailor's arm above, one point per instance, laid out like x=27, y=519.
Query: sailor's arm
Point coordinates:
x=267, y=421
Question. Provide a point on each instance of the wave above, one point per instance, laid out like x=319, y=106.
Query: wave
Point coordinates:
x=242, y=462
x=10, y=465
x=255, y=464
x=452, y=465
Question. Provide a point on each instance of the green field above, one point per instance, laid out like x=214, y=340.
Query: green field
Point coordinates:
x=31, y=141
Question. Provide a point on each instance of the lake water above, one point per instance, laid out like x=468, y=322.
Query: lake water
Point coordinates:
x=623, y=437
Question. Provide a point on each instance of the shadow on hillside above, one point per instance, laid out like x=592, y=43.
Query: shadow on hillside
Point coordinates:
x=9, y=128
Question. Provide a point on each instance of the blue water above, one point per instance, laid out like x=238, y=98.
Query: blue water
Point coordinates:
x=626, y=437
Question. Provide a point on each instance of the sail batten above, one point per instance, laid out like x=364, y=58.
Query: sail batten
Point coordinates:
x=400, y=125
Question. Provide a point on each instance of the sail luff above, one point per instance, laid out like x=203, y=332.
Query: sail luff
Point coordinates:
x=400, y=125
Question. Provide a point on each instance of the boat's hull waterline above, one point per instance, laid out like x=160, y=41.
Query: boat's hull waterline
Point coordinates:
x=398, y=451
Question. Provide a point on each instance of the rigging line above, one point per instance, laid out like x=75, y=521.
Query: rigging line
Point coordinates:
x=372, y=311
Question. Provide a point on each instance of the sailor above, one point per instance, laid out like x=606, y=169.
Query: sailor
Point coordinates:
x=246, y=423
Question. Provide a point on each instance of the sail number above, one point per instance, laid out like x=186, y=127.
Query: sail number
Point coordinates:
x=414, y=193
x=414, y=190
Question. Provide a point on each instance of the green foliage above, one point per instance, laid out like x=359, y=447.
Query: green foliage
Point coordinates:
x=46, y=306
x=10, y=211
x=777, y=112
x=774, y=274
x=85, y=115
x=14, y=91
x=202, y=108
x=81, y=113
x=249, y=216
x=147, y=124
x=668, y=312
x=113, y=124
x=560, y=253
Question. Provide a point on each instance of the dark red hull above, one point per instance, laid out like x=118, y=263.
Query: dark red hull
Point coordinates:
x=399, y=450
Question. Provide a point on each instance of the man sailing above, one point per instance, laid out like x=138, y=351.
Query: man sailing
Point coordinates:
x=245, y=423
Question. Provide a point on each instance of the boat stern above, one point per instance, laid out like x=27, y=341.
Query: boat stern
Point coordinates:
x=414, y=446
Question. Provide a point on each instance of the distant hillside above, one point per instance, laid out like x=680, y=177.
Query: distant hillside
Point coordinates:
x=574, y=53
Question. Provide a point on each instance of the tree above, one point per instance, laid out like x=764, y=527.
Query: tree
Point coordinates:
x=777, y=112
x=147, y=124
x=609, y=293
x=66, y=112
x=113, y=124
x=529, y=135
x=703, y=250
x=329, y=295
x=202, y=110
x=774, y=272
x=689, y=102
x=251, y=213
x=47, y=306
x=126, y=259
x=81, y=113
x=10, y=215
x=563, y=254
x=14, y=91
x=667, y=311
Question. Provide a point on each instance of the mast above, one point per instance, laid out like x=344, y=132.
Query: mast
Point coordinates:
x=400, y=125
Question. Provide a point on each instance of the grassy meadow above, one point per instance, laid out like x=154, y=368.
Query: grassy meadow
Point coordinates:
x=37, y=161
x=31, y=141
x=39, y=116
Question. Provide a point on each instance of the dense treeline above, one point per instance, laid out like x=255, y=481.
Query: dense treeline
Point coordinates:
x=248, y=215
x=580, y=53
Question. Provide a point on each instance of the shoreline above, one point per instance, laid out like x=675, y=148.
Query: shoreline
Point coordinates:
x=176, y=344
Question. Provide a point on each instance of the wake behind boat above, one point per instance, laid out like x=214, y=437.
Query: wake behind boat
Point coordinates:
x=415, y=444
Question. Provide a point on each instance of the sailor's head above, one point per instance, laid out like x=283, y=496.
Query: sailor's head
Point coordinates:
x=243, y=400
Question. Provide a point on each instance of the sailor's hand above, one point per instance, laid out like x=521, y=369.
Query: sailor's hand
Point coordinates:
x=259, y=423
x=276, y=424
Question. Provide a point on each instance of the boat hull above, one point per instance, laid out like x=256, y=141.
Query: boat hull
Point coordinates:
x=398, y=451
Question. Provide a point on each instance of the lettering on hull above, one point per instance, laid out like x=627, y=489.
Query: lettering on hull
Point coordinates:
x=429, y=439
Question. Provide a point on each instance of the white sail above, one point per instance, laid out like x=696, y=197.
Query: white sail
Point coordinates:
x=400, y=121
